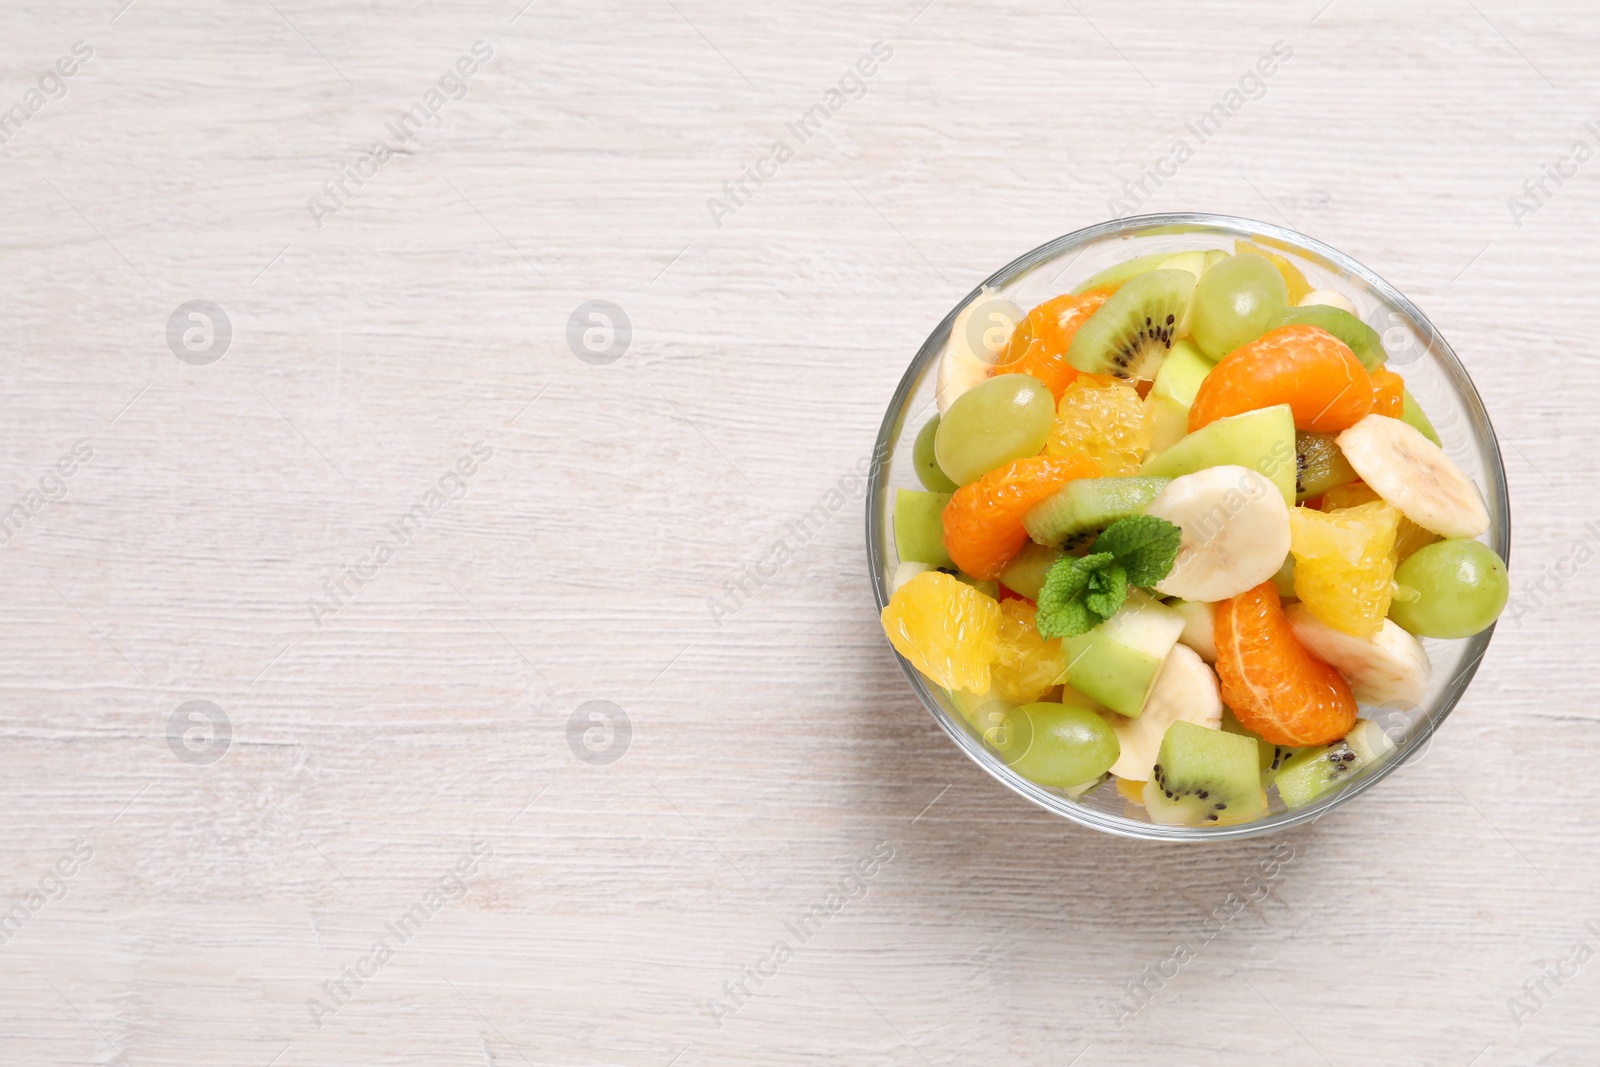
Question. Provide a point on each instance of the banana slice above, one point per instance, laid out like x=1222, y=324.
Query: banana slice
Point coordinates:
x=1235, y=532
x=1199, y=627
x=1186, y=689
x=1391, y=666
x=1414, y=474
x=977, y=337
x=1329, y=298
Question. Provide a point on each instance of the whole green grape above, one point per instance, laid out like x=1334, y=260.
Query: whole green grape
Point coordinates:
x=996, y=421
x=1057, y=745
x=1450, y=589
x=928, y=473
x=1235, y=302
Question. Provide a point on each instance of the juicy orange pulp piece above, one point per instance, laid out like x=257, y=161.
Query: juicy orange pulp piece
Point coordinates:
x=983, y=521
x=1039, y=344
x=1407, y=539
x=1104, y=419
x=1388, y=393
x=1026, y=665
x=1273, y=684
x=1344, y=564
x=1306, y=367
x=946, y=629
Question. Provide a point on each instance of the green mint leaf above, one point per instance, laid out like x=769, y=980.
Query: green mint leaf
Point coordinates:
x=1074, y=592
x=1144, y=545
x=1108, y=588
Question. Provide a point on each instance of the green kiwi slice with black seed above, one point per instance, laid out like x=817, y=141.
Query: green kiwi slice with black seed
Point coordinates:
x=1080, y=511
x=1319, y=465
x=1130, y=335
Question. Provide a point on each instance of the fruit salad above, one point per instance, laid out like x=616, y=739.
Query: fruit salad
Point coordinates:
x=1182, y=532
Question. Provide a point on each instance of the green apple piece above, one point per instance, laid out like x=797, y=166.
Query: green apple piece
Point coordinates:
x=1113, y=277
x=1414, y=417
x=919, y=527
x=1182, y=372
x=1169, y=422
x=1193, y=262
x=1174, y=391
x=1027, y=571
x=1215, y=256
x=1118, y=661
x=1261, y=440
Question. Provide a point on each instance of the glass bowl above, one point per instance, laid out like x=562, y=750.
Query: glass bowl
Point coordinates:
x=1416, y=350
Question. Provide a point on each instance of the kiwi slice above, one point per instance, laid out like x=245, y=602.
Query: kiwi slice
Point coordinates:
x=1205, y=778
x=1080, y=511
x=1029, y=568
x=1271, y=756
x=1415, y=417
x=1114, y=276
x=1319, y=465
x=1362, y=339
x=1130, y=335
x=1311, y=772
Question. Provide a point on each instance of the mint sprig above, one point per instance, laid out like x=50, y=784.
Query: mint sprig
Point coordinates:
x=1081, y=592
x=1145, y=545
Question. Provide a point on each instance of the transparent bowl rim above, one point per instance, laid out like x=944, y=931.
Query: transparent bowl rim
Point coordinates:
x=1200, y=223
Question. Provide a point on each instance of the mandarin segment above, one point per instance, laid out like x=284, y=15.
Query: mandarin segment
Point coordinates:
x=1105, y=420
x=1388, y=393
x=1306, y=367
x=1276, y=687
x=983, y=522
x=1344, y=564
x=1039, y=344
x=946, y=629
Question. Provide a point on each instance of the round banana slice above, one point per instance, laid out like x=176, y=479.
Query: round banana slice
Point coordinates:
x=1414, y=474
x=1185, y=689
x=1235, y=532
x=1390, y=666
x=977, y=338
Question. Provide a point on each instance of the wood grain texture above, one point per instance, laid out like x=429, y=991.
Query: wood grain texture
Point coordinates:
x=772, y=749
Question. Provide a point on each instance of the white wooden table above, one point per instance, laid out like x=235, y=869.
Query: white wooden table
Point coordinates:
x=396, y=758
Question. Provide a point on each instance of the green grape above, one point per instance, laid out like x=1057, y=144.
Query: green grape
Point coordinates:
x=1235, y=302
x=1058, y=745
x=928, y=473
x=996, y=421
x=1450, y=589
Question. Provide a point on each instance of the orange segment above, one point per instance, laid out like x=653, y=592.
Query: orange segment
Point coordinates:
x=1388, y=393
x=983, y=521
x=1275, y=687
x=1039, y=344
x=946, y=629
x=1344, y=564
x=1307, y=368
x=1026, y=664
